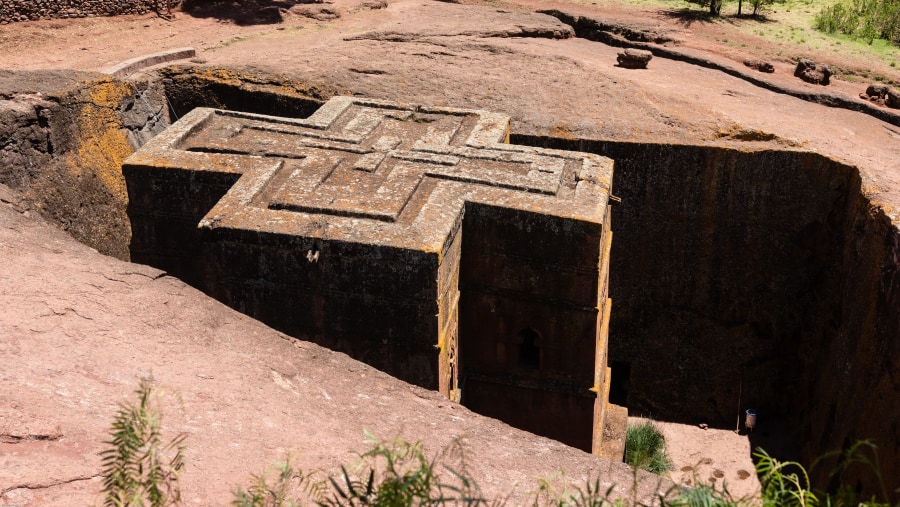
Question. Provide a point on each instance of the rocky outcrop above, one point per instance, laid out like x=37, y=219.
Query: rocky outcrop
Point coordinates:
x=892, y=99
x=808, y=71
x=883, y=95
x=611, y=31
x=760, y=65
x=64, y=137
x=317, y=12
x=634, y=58
x=877, y=91
x=438, y=26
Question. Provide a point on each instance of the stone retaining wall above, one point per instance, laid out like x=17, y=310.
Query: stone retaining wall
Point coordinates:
x=33, y=10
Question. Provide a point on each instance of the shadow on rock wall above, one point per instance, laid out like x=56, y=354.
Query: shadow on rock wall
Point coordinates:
x=242, y=12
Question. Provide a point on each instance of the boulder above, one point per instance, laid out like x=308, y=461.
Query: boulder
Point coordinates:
x=893, y=99
x=760, y=65
x=808, y=71
x=374, y=5
x=319, y=13
x=877, y=91
x=634, y=58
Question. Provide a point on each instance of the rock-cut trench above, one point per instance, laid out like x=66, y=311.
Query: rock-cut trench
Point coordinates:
x=739, y=279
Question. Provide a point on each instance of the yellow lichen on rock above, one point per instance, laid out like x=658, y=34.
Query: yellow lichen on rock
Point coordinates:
x=101, y=145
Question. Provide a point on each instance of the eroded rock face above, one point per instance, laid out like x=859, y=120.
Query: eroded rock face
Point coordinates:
x=810, y=72
x=65, y=135
x=634, y=58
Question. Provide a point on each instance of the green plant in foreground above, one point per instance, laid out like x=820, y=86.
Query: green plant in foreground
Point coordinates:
x=645, y=448
x=786, y=483
x=289, y=488
x=393, y=473
x=138, y=468
x=592, y=495
x=705, y=495
x=397, y=473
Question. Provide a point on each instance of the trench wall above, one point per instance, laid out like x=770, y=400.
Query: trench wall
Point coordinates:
x=190, y=87
x=63, y=137
x=765, y=275
x=34, y=10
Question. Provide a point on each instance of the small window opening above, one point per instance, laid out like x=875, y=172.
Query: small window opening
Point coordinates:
x=529, y=352
x=618, y=386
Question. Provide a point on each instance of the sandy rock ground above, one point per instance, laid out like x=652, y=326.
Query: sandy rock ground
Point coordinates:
x=79, y=328
x=715, y=457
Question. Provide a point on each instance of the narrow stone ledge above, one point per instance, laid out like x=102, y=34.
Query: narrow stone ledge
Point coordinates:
x=142, y=62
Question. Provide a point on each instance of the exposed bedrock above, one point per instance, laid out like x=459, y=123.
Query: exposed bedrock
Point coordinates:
x=765, y=275
x=63, y=137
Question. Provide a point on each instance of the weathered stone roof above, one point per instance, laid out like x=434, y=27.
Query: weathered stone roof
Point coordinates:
x=383, y=173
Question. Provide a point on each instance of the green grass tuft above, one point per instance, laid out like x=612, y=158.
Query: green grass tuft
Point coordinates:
x=645, y=448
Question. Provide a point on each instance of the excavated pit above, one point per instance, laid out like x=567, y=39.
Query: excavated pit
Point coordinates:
x=764, y=277
x=739, y=279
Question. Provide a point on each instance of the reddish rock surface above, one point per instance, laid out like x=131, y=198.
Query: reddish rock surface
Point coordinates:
x=80, y=329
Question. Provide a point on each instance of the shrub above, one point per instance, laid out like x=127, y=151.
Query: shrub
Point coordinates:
x=394, y=473
x=645, y=448
x=397, y=473
x=138, y=468
x=862, y=19
x=289, y=488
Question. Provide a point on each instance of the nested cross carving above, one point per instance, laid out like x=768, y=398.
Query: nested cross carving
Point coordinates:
x=375, y=172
